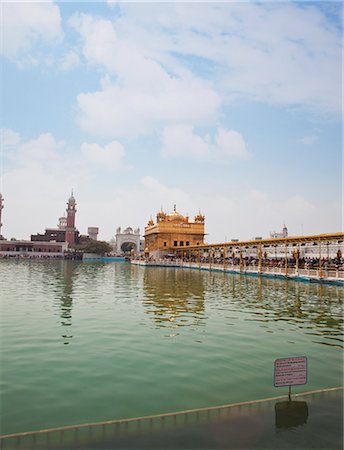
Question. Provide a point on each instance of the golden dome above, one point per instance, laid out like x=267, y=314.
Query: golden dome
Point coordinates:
x=174, y=216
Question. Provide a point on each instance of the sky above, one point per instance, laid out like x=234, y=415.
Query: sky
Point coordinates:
x=231, y=108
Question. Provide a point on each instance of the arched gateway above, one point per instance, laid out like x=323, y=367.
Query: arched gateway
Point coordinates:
x=127, y=240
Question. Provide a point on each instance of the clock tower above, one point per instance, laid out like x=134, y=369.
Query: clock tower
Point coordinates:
x=70, y=228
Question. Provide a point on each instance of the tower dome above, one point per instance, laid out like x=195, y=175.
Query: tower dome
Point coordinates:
x=71, y=198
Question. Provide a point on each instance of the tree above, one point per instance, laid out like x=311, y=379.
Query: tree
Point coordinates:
x=97, y=247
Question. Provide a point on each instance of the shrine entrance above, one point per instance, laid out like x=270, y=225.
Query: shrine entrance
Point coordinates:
x=127, y=240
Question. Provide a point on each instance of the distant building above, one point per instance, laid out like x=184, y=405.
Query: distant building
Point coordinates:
x=283, y=234
x=66, y=231
x=127, y=240
x=172, y=231
x=62, y=222
x=70, y=227
x=1, y=208
x=32, y=248
x=93, y=232
x=54, y=242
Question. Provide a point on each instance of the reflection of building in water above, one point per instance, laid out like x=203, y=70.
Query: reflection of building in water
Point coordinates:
x=174, y=297
x=299, y=303
x=67, y=269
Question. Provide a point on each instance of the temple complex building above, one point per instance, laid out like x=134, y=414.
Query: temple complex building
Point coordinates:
x=54, y=242
x=66, y=231
x=172, y=231
x=32, y=248
x=283, y=234
x=1, y=208
x=93, y=233
x=127, y=241
x=70, y=227
x=62, y=222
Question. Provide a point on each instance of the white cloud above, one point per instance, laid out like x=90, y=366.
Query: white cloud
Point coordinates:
x=151, y=183
x=298, y=206
x=24, y=23
x=9, y=138
x=100, y=41
x=144, y=95
x=70, y=60
x=159, y=193
x=230, y=143
x=44, y=150
x=122, y=111
x=284, y=53
x=180, y=141
x=49, y=154
x=254, y=213
x=112, y=3
x=256, y=196
x=160, y=59
x=308, y=140
x=110, y=156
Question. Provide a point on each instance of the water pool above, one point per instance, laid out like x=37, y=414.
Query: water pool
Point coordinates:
x=92, y=341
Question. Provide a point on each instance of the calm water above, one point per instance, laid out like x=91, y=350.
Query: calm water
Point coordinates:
x=85, y=342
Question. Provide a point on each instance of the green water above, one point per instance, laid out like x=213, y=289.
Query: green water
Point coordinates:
x=86, y=342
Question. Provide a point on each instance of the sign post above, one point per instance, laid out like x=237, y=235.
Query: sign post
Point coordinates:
x=290, y=372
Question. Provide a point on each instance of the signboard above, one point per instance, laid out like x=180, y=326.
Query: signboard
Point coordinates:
x=290, y=371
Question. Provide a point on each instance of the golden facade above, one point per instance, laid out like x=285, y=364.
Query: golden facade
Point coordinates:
x=172, y=231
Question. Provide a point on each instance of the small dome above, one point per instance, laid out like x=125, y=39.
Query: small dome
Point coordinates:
x=71, y=198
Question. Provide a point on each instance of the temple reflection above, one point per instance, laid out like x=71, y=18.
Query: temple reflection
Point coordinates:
x=173, y=297
x=303, y=304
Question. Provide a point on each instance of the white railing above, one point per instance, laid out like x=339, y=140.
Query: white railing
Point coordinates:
x=249, y=268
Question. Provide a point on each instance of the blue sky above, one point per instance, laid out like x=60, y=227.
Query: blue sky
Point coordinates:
x=233, y=108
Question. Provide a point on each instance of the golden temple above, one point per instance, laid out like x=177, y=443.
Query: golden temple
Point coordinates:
x=172, y=231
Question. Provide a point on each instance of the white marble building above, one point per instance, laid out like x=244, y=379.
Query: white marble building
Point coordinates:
x=127, y=240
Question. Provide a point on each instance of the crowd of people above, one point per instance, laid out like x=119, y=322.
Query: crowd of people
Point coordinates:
x=336, y=263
